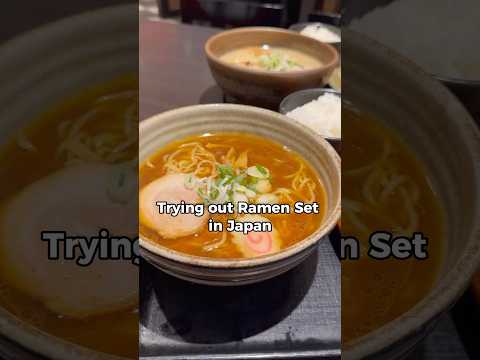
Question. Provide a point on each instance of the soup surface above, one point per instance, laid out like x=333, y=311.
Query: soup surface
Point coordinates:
x=62, y=163
x=385, y=188
x=227, y=168
x=271, y=58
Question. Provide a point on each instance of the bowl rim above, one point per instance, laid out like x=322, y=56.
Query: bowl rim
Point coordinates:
x=324, y=229
x=305, y=91
x=457, y=81
x=211, y=56
x=448, y=289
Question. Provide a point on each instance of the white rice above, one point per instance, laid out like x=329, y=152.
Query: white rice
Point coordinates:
x=321, y=33
x=323, y=115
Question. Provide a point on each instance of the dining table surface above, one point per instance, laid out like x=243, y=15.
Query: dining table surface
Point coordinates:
x=174, y=72
x=173, y=67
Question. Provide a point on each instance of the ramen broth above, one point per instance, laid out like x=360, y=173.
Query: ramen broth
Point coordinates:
x=82, y=130
x=384, y=188
x=235, y=167
x=271, y=58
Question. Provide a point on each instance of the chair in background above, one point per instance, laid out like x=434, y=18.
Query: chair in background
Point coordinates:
x=235, y=13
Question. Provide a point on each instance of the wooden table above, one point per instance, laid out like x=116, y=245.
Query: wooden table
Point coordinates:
x=173, y=67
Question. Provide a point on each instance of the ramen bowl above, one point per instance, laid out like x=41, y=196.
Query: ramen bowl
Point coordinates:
x=85, y=49
x=162, y=129
x=261, y=87
x=432, y=123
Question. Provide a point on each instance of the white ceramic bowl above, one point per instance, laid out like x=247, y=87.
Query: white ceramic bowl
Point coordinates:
x=445, y=138
x=299, y=27
x=39, y=70
x=173, y=125
x=302, y=97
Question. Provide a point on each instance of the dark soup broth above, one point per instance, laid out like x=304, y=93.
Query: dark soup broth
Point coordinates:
x=385, y=188
x=60, y=164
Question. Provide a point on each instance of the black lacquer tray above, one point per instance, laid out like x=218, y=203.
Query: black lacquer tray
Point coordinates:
x=294, y=316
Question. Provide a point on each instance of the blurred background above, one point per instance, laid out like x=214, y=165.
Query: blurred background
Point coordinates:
x=17, y=17
x=226, y=14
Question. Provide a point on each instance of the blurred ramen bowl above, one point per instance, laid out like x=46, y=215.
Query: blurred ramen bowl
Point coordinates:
x=86, y=50
x=261, y=65
x=419, y=110
x=229, y=268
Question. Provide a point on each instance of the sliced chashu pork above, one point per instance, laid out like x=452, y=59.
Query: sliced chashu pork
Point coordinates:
x=75, y=200
x=170, y=189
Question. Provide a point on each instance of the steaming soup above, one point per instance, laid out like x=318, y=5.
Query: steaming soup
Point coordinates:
x=384, y=188
x=227, y=168
x=66, y=164
x=271, y=58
